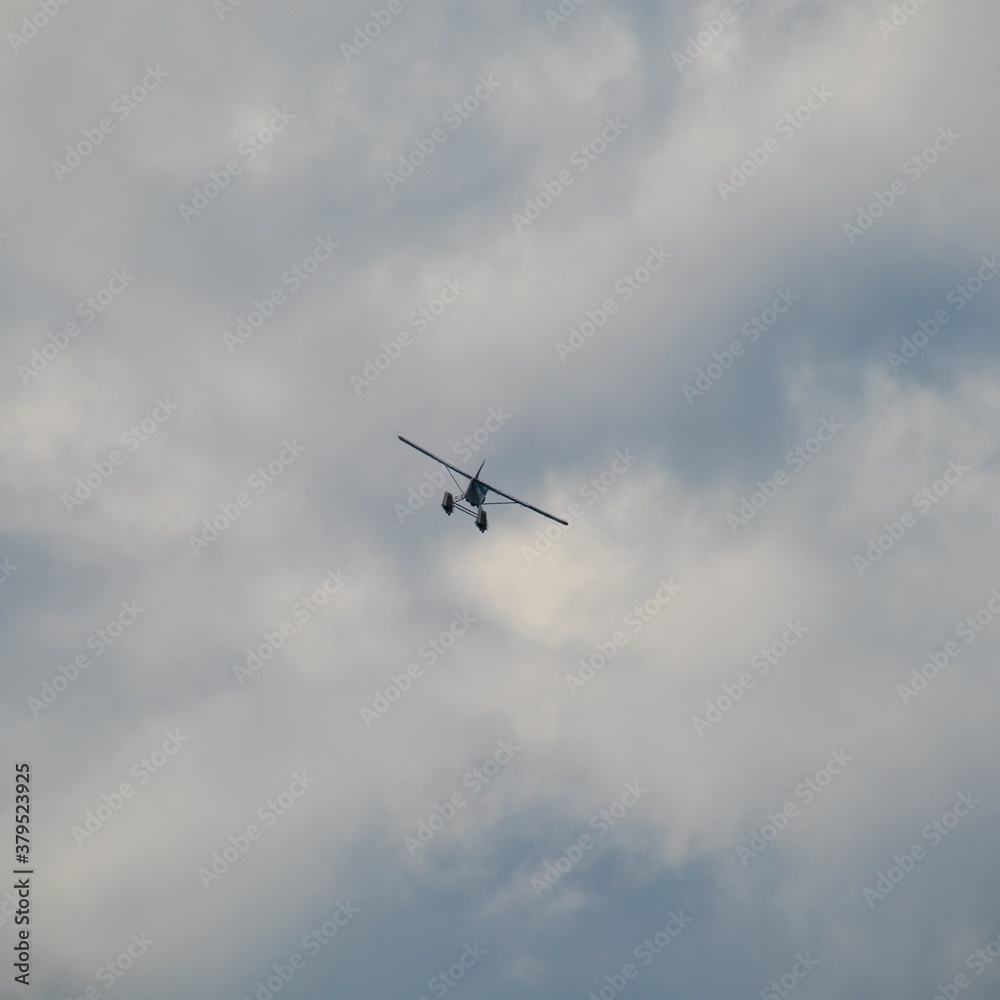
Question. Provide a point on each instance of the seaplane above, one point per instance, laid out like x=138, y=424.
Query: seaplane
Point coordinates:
x=475, y=493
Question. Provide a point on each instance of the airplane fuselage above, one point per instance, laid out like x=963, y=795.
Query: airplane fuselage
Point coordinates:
x=476, y=493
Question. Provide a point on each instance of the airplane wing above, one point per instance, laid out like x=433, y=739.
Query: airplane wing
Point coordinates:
x=447, y=465
x=492, y=489
x=537, y=510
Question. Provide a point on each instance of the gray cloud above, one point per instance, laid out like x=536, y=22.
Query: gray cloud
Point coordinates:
x=828, y=478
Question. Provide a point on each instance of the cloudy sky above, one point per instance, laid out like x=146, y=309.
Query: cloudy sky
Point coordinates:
x=715, y=285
